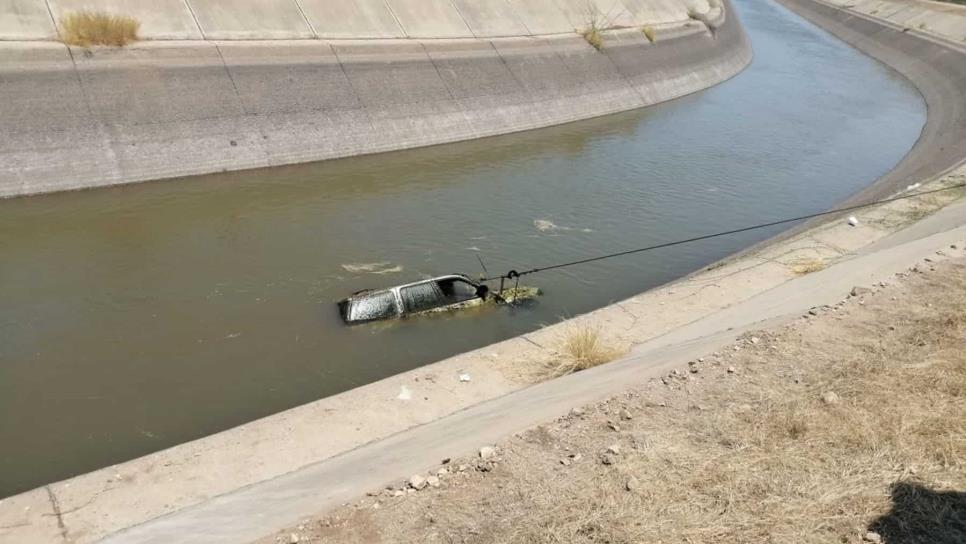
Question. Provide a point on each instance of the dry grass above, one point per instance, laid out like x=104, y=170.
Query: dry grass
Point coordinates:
x=648, y=31
x=583, y=347
x=593, y=36
x=761, y=455
x=86, y=28
x=802, y=267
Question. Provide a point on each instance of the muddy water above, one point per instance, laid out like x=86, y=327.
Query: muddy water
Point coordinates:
x=135, y=318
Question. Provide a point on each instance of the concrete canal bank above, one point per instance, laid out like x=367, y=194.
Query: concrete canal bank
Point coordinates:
x=329, y=79
x=180, y=482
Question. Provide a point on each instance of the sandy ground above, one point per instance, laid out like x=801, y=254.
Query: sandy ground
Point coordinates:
x=848, y=425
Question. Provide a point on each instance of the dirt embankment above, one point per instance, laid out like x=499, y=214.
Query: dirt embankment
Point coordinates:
x=848, y=425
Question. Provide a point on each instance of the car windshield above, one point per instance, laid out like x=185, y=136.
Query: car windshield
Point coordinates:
x=376, y=306
x=421, y=297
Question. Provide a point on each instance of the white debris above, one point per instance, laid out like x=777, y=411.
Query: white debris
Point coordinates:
x=853, y=221
x=487, y=452
x=464, y=377
x=404, y=393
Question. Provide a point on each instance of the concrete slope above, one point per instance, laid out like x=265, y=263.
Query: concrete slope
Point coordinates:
x=25, y=20
x=160, y=19
x=351, y=20
x=168, y=109
x=263, y=508
x=345, y=19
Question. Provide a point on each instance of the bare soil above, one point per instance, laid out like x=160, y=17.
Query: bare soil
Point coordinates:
x=848, y=425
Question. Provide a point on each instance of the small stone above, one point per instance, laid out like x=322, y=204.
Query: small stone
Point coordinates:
x=613, y=426
x=576, y=457
x=953, y=246
x=731, y=370
x=662, y=404
x=565, y=462
x=872, y=536
x=398, y=493
x=625, y=415
x=433, y=481
x=813, y=311
x=928, y=260
x=614, y=448
x=465, y=377
x=700, y=359
x=755, y=340
x=417, y=482
x=463, y=468
x=487, y=452
x=576, y=412
x=294, y=538
x=442, y=472
x=608, y=459
x=830, y=397
x=858, y=291
x=632, y=484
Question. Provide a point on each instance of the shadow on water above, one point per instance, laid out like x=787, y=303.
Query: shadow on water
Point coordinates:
x=921, y=515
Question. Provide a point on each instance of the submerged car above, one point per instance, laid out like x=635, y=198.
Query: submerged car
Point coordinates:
x=444, y=293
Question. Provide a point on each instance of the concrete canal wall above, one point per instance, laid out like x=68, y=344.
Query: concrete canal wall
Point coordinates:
x=284, y=81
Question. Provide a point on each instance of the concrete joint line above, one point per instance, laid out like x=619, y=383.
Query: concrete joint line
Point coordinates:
x=449, y=91
x=55, y=506
x=201, y=31
x=395, y=18
x=306, y=19
x=54, y=21
x=348, y=80
x=458, y=12
x=519, y=19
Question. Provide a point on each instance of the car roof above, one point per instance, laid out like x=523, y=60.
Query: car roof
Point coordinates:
x=374, y=292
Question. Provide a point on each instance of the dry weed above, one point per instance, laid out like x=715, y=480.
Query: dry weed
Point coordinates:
x=802, y=267
x=583, y=347
x=86, y=28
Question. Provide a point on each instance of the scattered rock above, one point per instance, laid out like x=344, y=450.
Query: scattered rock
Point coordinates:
x=576, y=457
x=755, y=340
x=442, y=472
x=872, y=536
x=417, y=482
x=613, y=426
x=830, y=397
x=625, y=415
x=608, y=459
x=858, y=291
x=632, y=484
x=731, y=370
x=445, y=461
x=813, y=311
x=433, y=481
x=614, y=448
x=565, y=462
x=463, y=468
x=398, y=493
x=576, y=412
x=294, y=537
x=487, y=452
x=465, y=377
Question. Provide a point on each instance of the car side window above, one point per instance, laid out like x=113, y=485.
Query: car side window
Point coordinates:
x=457, y=290
x=421, y=297
x=377, y=306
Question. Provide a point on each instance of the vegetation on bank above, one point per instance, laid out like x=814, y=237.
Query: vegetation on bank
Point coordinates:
x=87, y=28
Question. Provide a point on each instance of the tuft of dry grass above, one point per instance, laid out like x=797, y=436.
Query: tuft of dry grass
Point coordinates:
x=593, y=33
x=802, y=267
x=86, y=28
x=648, y=31
x=583, y=347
